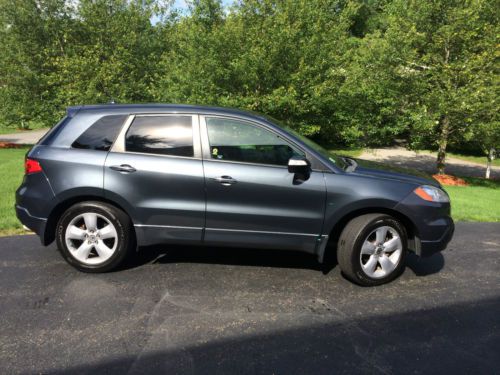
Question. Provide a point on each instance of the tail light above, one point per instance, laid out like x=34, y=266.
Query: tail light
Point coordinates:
x=31, y=166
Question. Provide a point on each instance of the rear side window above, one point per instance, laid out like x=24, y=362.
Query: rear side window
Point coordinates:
x=101, y=134
x=52, y=133
x=164, y=135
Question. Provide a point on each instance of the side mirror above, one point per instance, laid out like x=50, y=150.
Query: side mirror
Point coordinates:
x=299, y=165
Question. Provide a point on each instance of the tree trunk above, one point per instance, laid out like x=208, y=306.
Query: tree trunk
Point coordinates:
x=491, y=156
x=443, y=142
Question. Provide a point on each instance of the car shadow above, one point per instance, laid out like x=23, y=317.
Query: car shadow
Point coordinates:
x=425, y=266
x=418, y=341
x=170, y=254
x=167, y=254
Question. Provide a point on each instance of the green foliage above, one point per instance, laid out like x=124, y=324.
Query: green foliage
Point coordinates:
x=448, y=61
x=12, y=170
x=346, y=72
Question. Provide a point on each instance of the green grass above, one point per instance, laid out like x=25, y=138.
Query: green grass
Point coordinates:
x=12, y=171
x=6, y=130
x=478, y=202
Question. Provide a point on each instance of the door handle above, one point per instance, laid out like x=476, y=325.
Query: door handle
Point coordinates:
x=225, y=180
x=124, y=168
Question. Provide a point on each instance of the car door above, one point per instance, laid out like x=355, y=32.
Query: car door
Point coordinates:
x=252, y=199
x=155, y=171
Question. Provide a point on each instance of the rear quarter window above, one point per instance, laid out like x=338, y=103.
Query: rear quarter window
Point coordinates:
x=52, y=133
x=101, y=134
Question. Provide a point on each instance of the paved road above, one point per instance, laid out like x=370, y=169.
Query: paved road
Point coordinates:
x=24, y=137
x=206, y=311
x=426, y=161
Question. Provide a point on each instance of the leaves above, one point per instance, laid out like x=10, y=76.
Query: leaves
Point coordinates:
x=343, y=71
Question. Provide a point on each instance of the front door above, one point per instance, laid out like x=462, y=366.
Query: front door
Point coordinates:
x=252, y=199
x=155, y=171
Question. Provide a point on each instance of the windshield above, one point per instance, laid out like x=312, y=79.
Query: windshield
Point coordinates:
x=335, y=159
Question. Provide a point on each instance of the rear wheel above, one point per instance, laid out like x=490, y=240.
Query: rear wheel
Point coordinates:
x=372, y=249
x=94, y=236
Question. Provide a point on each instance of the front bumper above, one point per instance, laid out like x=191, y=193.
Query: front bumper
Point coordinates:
x=427, y=248
x=433, y=225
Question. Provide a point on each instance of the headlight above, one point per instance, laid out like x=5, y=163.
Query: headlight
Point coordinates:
x=432, y=194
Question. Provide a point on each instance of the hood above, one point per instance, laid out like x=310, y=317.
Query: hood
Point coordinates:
x=380, y=170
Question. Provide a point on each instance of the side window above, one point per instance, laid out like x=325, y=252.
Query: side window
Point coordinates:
x=240, y=141
x=101, y=134
x=164, y=135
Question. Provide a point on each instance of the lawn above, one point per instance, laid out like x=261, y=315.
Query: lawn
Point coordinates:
x=478, y=202
x=7, y=130
x=11, y=170
x=4, y=129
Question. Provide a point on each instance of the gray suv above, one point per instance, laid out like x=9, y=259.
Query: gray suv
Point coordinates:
x=109, y=178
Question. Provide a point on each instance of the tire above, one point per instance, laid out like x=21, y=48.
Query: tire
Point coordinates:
x=94, y=236
x=361, y=258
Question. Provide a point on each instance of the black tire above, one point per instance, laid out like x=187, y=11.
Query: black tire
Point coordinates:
x=351, y=241
x=121, y=222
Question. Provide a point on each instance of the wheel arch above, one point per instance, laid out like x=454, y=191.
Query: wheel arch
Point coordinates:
x=61, y=207
x=339, y=225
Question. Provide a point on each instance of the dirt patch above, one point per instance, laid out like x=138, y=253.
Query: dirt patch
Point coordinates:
x=449, y=180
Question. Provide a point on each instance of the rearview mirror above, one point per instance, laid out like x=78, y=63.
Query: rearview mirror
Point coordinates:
x=299, y=164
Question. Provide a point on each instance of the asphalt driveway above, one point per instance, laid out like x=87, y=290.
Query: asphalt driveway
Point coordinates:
x=233, y=311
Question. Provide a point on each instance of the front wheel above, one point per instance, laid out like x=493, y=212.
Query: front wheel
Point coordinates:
x=372, y=249
x=94, y=236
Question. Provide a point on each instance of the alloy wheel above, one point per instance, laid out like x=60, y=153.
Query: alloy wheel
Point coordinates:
x=91, y=238
x=381, y=252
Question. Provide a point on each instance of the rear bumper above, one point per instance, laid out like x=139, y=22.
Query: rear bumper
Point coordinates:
x=36, y=224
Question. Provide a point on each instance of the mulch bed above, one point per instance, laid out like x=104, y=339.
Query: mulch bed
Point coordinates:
x=449, y=180
x=11, y=145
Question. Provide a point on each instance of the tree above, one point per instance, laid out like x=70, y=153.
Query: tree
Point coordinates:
x=443, y=40
x=32, y=35
x=112, y=56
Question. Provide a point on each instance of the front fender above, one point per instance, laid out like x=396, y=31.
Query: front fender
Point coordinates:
x=347, y=194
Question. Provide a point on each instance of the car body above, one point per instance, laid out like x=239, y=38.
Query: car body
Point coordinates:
x=217, y=176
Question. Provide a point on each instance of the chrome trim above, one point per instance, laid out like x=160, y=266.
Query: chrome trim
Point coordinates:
x=165, y=226
x=30, y=215
x=262, y=232
x=154, y=155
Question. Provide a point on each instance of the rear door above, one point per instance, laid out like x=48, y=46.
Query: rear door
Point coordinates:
x=155, y=170
x=252, y=199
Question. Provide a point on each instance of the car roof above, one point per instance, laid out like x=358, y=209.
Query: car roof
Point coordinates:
x=161, y=108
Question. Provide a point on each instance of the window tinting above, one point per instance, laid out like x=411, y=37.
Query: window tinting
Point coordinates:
x=52, y=133
x=165, y=135
x=240, y=141
x=101, y=134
